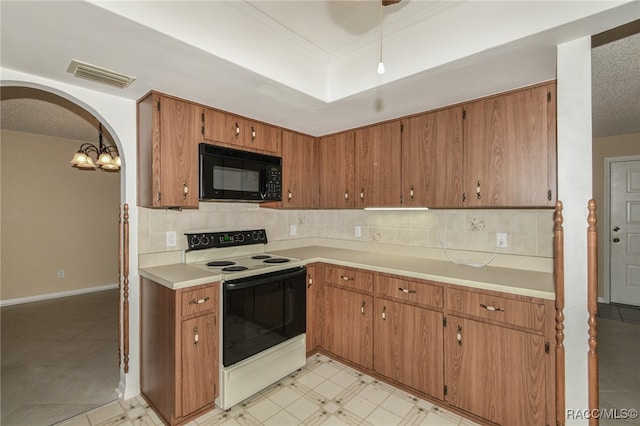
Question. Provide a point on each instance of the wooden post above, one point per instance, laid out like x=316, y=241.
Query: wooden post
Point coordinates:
x=558, y=278
x=592, y=307
x=119, y=285
x=125, y=273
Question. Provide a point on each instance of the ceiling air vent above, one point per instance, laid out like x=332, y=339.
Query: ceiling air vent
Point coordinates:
x=100, y=75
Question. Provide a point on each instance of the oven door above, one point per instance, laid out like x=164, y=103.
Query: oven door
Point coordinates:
x=262, y=311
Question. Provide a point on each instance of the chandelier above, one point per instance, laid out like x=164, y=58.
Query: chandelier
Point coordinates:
x=105, y=159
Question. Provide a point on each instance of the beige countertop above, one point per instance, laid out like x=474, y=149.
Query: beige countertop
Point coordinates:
x=508, y=280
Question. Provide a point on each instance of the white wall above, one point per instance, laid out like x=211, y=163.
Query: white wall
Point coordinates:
x=574, y=190
x=118, y=116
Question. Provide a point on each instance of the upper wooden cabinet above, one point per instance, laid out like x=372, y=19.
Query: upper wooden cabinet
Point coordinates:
x=299, y=165
x=335, y=171
x=510, y=149
x=377, y=165
x=432, y=159
x=222, y=127
x=168, y=136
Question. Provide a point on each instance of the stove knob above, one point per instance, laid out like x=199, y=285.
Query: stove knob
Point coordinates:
x=261, y=235
x=239, y=237
x=204, y=240
x=195, y=241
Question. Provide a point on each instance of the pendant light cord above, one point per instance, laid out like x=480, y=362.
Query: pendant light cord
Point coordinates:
x=381, y=21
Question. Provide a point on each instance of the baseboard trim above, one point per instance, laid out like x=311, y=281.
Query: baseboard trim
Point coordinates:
x=56, y=295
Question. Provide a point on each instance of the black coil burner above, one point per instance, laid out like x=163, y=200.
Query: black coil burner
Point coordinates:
x=221, y=263
x=236, y=268
x=260, y=256
x=276, y=260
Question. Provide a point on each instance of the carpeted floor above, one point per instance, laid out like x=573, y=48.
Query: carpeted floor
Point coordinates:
x=59, y=358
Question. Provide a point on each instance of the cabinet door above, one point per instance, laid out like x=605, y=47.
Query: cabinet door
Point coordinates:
x=348, y=325
x=314, y=309
x=222, y=127
x=495, y=372
x=199, y=368
x=335, y=171
x=432, y=159
x=177, y=170
x=299, y=165
x=262, y=137
x=409, y=346
x=377, y=165
x=509, y=149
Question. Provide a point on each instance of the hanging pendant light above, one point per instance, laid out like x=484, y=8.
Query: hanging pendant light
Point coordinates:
x=380, y=63
x=104, y=156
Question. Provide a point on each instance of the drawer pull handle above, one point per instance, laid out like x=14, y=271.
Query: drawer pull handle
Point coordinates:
x=347, y=278
x=459, y=335
x=196, y=337
x=198, y=301
x=362, y=308
x=491, y=308
x=406, y=290
x=384, y=313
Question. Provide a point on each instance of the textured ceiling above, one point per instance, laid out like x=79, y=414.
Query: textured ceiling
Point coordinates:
x=309, y=66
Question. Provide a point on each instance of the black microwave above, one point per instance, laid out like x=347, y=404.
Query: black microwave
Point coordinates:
x=235, y=175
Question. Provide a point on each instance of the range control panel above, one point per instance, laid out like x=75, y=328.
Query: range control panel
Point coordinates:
x=205, y=240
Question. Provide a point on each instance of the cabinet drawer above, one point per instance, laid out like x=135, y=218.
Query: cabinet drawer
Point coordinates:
x=197, y=300
x=353, y=279
x=419, y=292
x=528, y=314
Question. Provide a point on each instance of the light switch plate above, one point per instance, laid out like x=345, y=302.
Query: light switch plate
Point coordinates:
x=501, y=240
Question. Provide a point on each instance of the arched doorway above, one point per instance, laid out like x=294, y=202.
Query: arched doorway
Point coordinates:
x=53, y=214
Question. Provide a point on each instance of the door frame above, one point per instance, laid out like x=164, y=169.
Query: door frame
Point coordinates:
x=606, y=234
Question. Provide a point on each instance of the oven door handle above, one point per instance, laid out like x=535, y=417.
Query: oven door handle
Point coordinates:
x=258, y=280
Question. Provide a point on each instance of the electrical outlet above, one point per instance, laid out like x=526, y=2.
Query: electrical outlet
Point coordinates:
x=358, y=231
x=171, y=238
x=501, y=240
x=60, y=273
x=293, y=230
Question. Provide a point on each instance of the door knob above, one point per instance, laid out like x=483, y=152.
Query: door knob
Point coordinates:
x=616, y=240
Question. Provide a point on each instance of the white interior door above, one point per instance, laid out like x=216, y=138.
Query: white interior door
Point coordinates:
x=624, y=241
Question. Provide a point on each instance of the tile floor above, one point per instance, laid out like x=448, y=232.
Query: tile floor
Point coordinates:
x=324, y=392
x=614, y=311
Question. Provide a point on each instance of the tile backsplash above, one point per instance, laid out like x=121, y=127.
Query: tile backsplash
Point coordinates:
x=529, y=232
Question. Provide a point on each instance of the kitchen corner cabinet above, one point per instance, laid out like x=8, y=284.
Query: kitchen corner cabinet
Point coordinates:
x=497, y=357
x=179, y=349
x=377, y=165
x=314, y=308
x=408, y=337
x=299, y=165
x=241, y=132
x=348, y=315
x=335, y=171
x=432, y=159
x=510, y=149
x=168, y=135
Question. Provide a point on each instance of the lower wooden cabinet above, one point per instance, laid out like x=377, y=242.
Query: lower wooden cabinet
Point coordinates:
x=179, y=349
x=495, y=372
x=479, y=352
x=348, y=326
x=408, y=346
x=314, y=308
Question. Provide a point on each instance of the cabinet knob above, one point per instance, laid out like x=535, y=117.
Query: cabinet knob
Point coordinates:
x=384, y=313
x=362, y=195
x=411, y=193
x=185, y=190
x=406, y=290
x=344, y=278
x=459, y=335
x=253, y=133
x=362, y=307
x=196, y=336
x=478, y=195
x=198, y=301
x=289, y=195
x=346, y=196
x=237, y=132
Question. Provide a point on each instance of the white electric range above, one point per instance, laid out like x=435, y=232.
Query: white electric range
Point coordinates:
x=262, y=310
